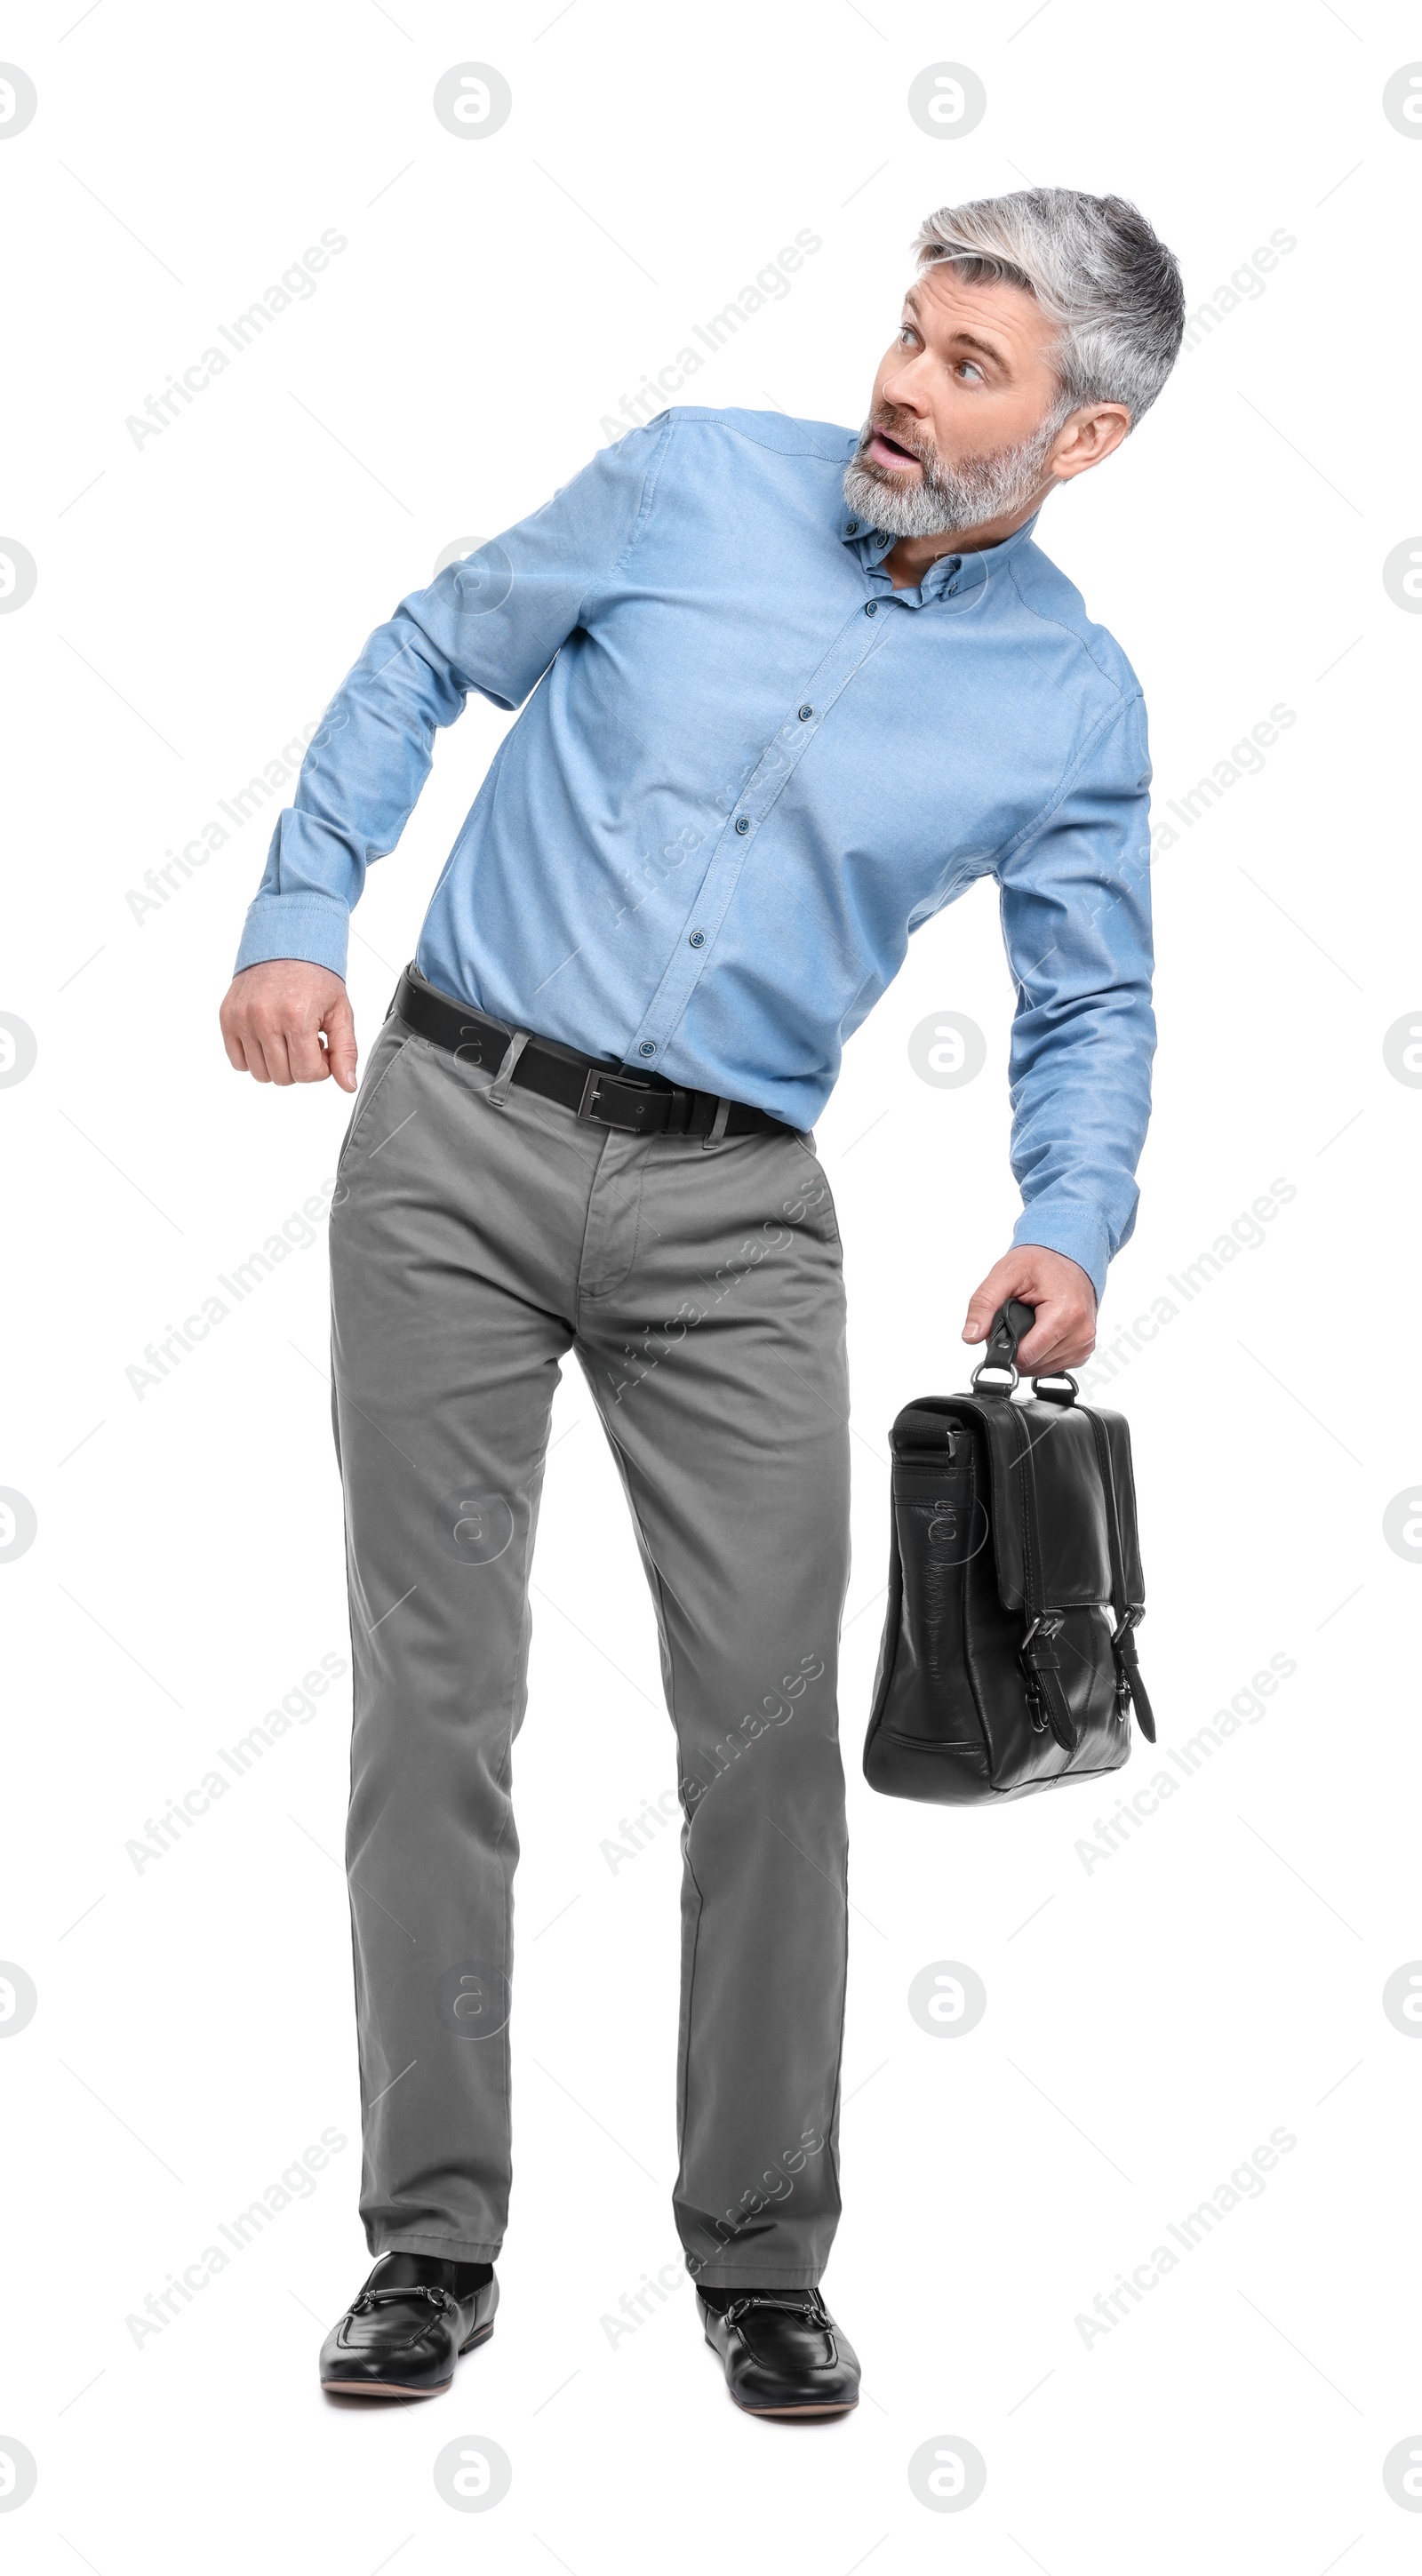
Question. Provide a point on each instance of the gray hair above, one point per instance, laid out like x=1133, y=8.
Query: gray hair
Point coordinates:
x=1095, y=267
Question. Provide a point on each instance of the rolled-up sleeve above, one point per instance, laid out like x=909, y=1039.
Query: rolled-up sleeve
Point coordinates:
x=491, y=623
x=1076, y=922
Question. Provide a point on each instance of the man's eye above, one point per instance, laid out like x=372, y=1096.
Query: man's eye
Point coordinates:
x=907, y=331
x=970, y=370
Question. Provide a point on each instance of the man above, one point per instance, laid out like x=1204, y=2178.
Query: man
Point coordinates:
x=788, y=694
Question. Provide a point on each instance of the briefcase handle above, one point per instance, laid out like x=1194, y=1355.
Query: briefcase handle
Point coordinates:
x=1010, y=1326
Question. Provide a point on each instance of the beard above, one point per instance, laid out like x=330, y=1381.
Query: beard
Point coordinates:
x=947, y=500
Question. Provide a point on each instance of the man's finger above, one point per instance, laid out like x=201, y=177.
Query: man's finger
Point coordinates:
x=306, y=1057
x=339, y=1025
x=1047, y=1333
x=1044, y=1345
x=982, y=1307
x=1061, y=1338
x=274, y=1056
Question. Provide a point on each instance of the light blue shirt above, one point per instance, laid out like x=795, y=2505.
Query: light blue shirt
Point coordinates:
x=748, y=768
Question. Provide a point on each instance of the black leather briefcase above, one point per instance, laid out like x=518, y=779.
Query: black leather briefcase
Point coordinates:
x=1009, y=1660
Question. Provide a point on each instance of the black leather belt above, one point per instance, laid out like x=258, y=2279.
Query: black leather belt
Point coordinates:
x=591, y=1086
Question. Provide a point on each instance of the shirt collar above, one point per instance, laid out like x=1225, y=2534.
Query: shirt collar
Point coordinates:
x=962, y=572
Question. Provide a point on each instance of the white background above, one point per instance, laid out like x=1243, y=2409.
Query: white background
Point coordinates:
x=1151, y=2019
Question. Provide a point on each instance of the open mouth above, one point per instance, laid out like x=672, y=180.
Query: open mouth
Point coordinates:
x=885, y=450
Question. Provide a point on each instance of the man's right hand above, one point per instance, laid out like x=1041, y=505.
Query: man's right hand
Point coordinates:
x=275, y=1017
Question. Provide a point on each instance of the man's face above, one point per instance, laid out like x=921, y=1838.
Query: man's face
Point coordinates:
x=965, y=411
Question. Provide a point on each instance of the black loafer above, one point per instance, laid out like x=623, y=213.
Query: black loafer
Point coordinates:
x=784, y=2354
x=403, y=2333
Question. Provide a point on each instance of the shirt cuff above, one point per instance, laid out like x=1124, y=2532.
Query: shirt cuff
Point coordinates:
x=1077, y=1231
x=311, y=927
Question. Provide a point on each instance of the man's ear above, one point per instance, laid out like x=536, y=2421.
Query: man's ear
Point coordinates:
x=1088, y=438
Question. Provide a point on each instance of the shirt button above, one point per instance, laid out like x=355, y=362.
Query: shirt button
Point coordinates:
x=647, y=1047
x=850, y=526
x=805, y=714
x=697, y=939
x=871, y=608
x=742, y=822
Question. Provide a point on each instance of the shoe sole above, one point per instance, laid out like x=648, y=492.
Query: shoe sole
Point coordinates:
x=394, y=2387
x=839, y=2406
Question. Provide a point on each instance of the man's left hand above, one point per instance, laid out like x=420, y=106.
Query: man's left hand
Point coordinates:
x=1065, y=1331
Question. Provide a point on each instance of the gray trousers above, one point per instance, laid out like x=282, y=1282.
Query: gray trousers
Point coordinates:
x=478, y=1233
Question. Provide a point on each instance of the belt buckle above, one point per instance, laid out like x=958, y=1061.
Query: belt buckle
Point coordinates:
x=589, y=1105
